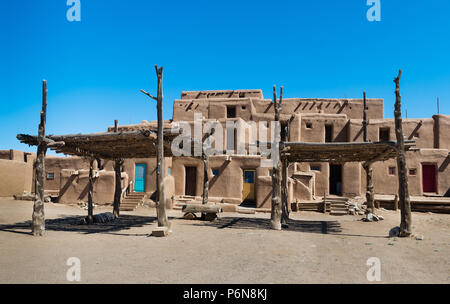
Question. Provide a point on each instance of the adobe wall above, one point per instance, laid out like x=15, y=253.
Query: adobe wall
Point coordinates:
x=75, y=187
x=252, y=106
x=15, y=177
x=55, y=165
x=420, y=130
x=442, y=131
x=228, y=184
x=312, y=127
x=388, y=184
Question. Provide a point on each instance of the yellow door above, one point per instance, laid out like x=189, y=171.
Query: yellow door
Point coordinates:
x=248, y=187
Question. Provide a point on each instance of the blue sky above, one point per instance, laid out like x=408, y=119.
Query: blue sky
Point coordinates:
x=96, y=67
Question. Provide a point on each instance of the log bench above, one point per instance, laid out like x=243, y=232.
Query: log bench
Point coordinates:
x=210, y=212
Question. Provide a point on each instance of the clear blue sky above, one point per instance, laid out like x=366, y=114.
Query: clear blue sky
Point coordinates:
x=325, y=48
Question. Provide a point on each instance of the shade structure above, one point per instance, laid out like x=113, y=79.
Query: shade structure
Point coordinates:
x=341, y=151
x=106, y=145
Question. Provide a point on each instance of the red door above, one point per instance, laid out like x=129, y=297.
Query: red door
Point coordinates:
x=429, y=178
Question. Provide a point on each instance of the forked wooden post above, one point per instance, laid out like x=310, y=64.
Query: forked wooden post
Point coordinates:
x=276, y=211
x=161, y=196
x=403, y=192
x=38, y=217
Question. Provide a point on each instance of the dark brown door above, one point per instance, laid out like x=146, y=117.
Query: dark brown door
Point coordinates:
x=429, y=178
x=191, y=181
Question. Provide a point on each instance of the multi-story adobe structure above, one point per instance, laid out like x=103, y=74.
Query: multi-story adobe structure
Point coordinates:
x=237, y=177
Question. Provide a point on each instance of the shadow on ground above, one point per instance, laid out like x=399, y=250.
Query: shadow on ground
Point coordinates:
x=323, y=227
x=73, y=223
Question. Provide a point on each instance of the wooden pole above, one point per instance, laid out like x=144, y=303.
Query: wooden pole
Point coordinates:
x=118, y=187
x=275, y=217
x=365, y=118
x=370, y=196
x=118, y=177
x=205, y=180
x=284, y=194
x=161, y=203
x=90, y=218
x=161, y=196
x=403, y=192
x=38, y=217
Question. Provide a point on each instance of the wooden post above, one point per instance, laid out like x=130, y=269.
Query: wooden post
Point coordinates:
x=403, y=192
x=118, y=177
x=118, y=187
x=205, y=180
x=38, y=217
x=284, y=194
x=365, y=119
x=90, y=218
x=161, y=196
x=370, y=196
x=275, y=217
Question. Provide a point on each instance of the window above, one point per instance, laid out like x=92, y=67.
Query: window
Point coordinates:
x=391, y=170
x=384, y=134
x=169, y=170
x=231, y=112
x=328, y=133
x=315, y=167
x=50, y=175
x=215, y=172
x=249, y=176
x=308, y=125
x=413, y=171
x=270, y=172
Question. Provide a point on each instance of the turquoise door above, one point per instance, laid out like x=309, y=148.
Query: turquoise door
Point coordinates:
x=139, y=177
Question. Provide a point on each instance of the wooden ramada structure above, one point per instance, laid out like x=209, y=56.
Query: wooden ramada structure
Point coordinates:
x=150, y=142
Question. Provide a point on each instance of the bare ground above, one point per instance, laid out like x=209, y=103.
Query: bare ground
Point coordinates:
x=237, y=248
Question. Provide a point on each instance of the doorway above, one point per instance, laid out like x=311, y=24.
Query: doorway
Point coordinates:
x=335, y=179
x=190, y=181
x=429, y=178
x=248, y=187
x=139, y=177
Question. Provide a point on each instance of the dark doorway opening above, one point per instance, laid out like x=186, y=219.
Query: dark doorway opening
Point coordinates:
x=335, y=179
x=429, y=178
x=384, y=134
x=191, y=181
x=328, y=133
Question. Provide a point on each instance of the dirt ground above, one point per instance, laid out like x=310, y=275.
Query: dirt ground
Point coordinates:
x=237, y=248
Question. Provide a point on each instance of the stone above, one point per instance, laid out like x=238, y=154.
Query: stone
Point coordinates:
x=394, y=232
x=380, y=217
x=160, y=232
x=419, y=237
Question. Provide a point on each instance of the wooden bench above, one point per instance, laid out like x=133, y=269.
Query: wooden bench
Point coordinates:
x=210, y=211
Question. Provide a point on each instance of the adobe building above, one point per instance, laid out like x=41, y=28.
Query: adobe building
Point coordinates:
x=237, y=178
